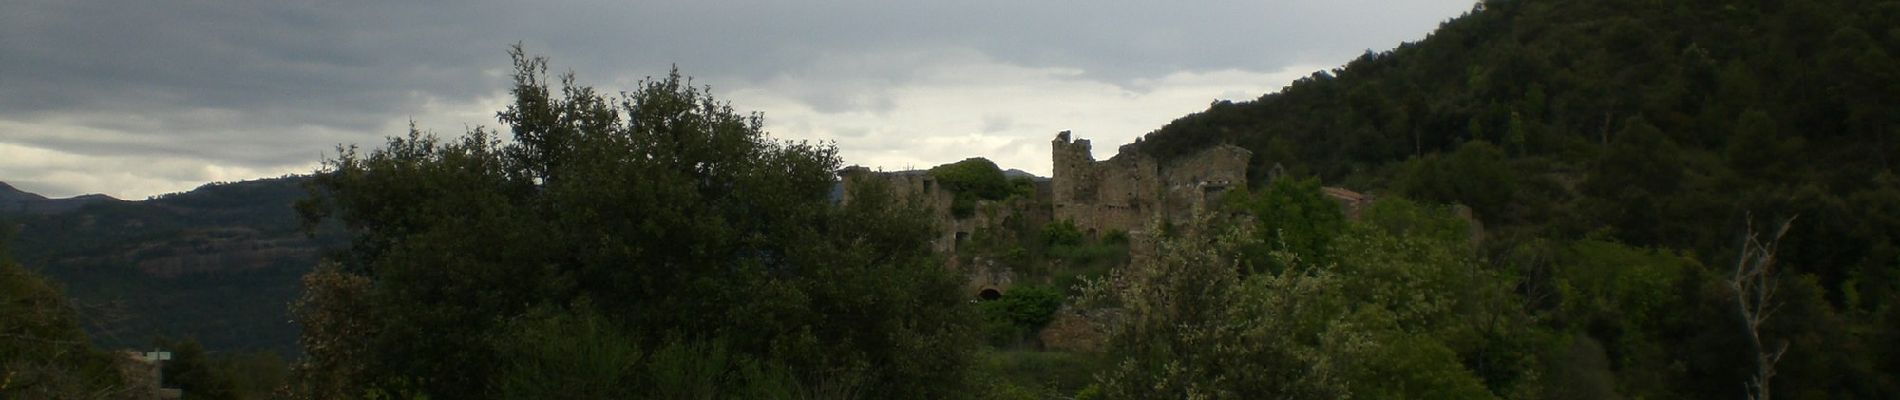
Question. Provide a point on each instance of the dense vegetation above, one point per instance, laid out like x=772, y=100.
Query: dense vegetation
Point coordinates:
x=1573, y=200
x=976, y=179
x=219, y=264
x=655, y=243
x=1617, y=152
x=43, y=352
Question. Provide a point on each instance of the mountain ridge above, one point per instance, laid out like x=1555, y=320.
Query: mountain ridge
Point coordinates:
x=219, y=263
x=15, y=200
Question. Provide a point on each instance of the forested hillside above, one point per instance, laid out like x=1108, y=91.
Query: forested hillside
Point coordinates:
x=1657, y=123
x=219, y=264
x=1585, y=133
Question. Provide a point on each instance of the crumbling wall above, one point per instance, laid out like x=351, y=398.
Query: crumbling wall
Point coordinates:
x=1127, y=191
x=990, y=217
x=908, y=186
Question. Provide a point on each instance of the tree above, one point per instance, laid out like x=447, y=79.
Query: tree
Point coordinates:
x=972, y=180
x=664, y=213
x=193, y=371
x=1293, y=216
x=1395, y=316
x=1753, y=283
x=1476, y=175
x=43, y=352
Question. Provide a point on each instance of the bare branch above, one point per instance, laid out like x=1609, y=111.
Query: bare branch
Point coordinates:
x=1754, y=283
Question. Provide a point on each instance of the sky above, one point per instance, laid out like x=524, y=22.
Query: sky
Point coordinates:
x=139, y=98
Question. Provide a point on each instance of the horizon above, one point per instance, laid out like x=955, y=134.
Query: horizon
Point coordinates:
x=137, y=101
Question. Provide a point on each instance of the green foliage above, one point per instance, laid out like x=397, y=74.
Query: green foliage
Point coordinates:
x=1417, y=367
x=1477, y=174
x=1403, y=217
x=191, y=370
x=1293, y=216
x=1061, y=233
x=1398, y=313
x=572, y=356
x=1062, y=241
x=972, y=180
x=1652, y=124
x=1020, y=312
x=218, y=264
x=1029, y=374
x=232, y=375
x=1618, y=291
x=975, y=175
x=664, y=213
x=43, y=352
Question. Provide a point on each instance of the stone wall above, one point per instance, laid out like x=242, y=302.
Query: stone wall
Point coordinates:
x=1126, y=191
x=914, y=185
x=953, y=232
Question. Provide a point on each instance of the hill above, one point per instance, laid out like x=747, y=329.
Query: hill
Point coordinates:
x=1657, y=123
x=16, y=201
x=219, y=263
x=1664, y=126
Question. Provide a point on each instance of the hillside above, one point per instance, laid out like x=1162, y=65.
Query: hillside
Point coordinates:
x=1657, y=123
x=1665, y=126
x=16, y=201
x=219, y=263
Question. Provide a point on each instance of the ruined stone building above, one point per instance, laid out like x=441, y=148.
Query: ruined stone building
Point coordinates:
x=1124, y=193
x=1121, y=194
x=919, y=185
x=1128, y=190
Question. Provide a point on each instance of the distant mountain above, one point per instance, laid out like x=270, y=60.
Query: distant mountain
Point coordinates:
x=220, y=263
x=16, y=201
x=1013, y=173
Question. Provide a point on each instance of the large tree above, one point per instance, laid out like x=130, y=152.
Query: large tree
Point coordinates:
x=660, y=216
x=43, y=352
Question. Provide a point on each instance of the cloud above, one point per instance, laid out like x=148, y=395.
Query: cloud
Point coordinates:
x=60, y=174
x=979, y=107
x=265, y=86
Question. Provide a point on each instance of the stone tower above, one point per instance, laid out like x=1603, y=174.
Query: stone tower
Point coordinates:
x=1073, y=179
x=1127, y=191
x=1073, y=161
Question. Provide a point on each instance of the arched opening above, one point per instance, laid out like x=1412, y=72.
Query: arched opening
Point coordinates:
x=989, y=294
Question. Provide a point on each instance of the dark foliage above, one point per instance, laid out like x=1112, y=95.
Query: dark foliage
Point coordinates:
x=1657, y=125
x=660, y=216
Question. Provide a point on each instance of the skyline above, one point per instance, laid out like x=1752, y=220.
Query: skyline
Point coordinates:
x=134, y=100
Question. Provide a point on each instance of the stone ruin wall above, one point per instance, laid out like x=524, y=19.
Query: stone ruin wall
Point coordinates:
x=953, y=232
x=1125, y=192
x=907, y=186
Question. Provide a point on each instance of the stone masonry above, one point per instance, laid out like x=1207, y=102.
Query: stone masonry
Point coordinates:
x=1122, y=194
x=1131, y=188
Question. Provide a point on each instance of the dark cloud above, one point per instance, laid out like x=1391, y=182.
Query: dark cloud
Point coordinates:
x=266, y=84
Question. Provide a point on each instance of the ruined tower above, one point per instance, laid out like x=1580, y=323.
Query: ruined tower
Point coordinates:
x=1071, y=171
x=1132, y=188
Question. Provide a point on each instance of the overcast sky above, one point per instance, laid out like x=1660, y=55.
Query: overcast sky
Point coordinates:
x=138, y=98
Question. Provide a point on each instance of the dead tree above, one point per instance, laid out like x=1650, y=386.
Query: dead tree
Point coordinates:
x=1754, y=285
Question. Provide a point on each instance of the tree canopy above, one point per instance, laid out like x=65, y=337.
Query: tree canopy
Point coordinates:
x=660, y=217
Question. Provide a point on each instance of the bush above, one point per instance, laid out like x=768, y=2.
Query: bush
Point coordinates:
x=1018, y=313
x=973, y=180
x=1061, y=233
x=664, y=213
x=1028, y=374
